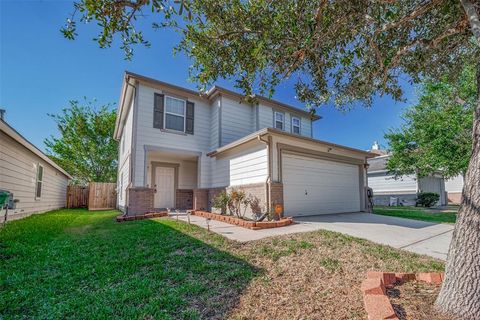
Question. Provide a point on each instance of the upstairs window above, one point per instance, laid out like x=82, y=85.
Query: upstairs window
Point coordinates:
x=279, y=118
x=295, y=125
x=174, y=114
x=39, y=183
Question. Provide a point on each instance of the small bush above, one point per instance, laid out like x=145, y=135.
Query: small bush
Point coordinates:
x=427, y=199
x=222, y=201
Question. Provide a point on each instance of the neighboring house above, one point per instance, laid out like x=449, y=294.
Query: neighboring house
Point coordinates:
x=405, y=188
x=454, y=187
x=178, y=149
x=34, y=179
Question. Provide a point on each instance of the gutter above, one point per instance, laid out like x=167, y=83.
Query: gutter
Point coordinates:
x=268, y=181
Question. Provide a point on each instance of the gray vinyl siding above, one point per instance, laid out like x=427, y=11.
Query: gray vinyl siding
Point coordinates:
x=18, y=170
x=266, y=120
x=383, y=183
x=124, y=155
x=215, y=113
x=247, y=165
x=237, y=120
x=147, y=135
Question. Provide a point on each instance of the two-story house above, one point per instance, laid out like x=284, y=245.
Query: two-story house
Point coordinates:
x=179, y=148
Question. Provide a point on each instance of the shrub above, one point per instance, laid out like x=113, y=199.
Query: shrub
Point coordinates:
x=427, y=199
x=222, y=201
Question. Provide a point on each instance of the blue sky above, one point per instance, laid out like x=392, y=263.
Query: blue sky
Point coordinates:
x=40, y=72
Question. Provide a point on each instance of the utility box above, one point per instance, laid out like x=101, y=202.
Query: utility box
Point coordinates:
x=393, y=202
x=6, y=200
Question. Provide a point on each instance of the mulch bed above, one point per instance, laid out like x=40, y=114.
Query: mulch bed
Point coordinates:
x=414, y=300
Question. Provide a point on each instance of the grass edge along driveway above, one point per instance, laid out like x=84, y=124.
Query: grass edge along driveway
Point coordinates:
x=80, y=264
x=417, y=213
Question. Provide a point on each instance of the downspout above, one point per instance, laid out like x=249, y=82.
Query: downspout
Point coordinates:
x=269, y=178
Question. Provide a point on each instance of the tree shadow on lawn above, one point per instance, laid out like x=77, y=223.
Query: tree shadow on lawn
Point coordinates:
x=76, y=264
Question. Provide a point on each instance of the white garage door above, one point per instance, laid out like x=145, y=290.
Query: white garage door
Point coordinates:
x=314, y=186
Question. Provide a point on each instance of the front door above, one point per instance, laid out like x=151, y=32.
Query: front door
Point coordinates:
x=165, y=186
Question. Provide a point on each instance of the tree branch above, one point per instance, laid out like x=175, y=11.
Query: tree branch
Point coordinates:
x=414, y=14
x=473, y=18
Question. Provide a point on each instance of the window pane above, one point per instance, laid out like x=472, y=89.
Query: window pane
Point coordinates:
x=296, y=121
x=296, y=129
x=279, y=125
x=278, y=116
x=174, y=122
x=39, y=190
x=40, y=173
x=175, y=106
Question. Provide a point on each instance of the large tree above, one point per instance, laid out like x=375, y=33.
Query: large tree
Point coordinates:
x=339, y=51
x=85, y=148
x=436, y=135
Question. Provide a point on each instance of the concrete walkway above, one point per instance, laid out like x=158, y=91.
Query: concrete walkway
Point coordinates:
x=416, y=236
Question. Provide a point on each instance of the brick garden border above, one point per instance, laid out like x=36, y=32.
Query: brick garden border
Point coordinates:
x=148, y=215
x=244, y=223
x=375, y=297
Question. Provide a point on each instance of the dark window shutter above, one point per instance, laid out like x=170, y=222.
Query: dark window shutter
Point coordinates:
x=158, y=111
x=189, y=119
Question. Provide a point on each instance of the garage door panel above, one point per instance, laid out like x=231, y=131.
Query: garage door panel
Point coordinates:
x=316, y=186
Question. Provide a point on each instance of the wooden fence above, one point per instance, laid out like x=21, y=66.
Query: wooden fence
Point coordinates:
x=97, y=196
x=77, y=197
x=102, y=196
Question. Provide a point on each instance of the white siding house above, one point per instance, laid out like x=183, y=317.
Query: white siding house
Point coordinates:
x=454, y=188
x=37, y=182
x=386, y=185
x=186, y=147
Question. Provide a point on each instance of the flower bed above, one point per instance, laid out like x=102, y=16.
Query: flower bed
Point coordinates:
x=254, y=225
x=375, y=297
x=148, y=215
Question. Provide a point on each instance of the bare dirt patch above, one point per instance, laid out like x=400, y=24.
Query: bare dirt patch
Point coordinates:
x=316, y=275
x=414, y=300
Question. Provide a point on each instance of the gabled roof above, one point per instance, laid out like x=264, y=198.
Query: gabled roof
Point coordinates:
x=265, y=131
x=209, y=96
x=12, y=133
x=378, y=164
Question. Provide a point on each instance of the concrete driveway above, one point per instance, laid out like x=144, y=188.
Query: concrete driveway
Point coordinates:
x=427, y=238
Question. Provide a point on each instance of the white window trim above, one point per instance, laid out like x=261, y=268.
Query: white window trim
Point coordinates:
x=37, y=181
x=275, y=120
x=299, y=125
x=175, y=114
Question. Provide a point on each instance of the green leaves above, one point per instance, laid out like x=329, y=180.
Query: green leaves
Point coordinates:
x=437, y=133
x=86, y=148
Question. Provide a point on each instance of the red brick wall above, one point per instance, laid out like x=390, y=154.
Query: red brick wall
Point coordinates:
x=212, y=193
x=276, y=194
x=454, y=197
x=184, y=199
x=200, y=199
x=140, y=200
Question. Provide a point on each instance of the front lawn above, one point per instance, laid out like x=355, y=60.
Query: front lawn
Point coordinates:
x=417, y=213
x=83, y=265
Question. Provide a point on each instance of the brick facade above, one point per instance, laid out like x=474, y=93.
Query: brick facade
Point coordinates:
x=454, y=197
x=276, y=194
x=140, y=200
x=203, y=198
x=212, y=193
x=256, y=191
x=184, y=199
x=200, y=199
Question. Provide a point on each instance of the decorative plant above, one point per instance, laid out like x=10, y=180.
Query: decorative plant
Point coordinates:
x=427, y=199
x=222, y=201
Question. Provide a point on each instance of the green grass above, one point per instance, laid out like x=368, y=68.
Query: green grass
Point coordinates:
x=83, y=265
x=417, y=214
x=76, y=264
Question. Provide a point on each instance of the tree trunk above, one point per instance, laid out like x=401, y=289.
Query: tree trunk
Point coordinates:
x=460, y=293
